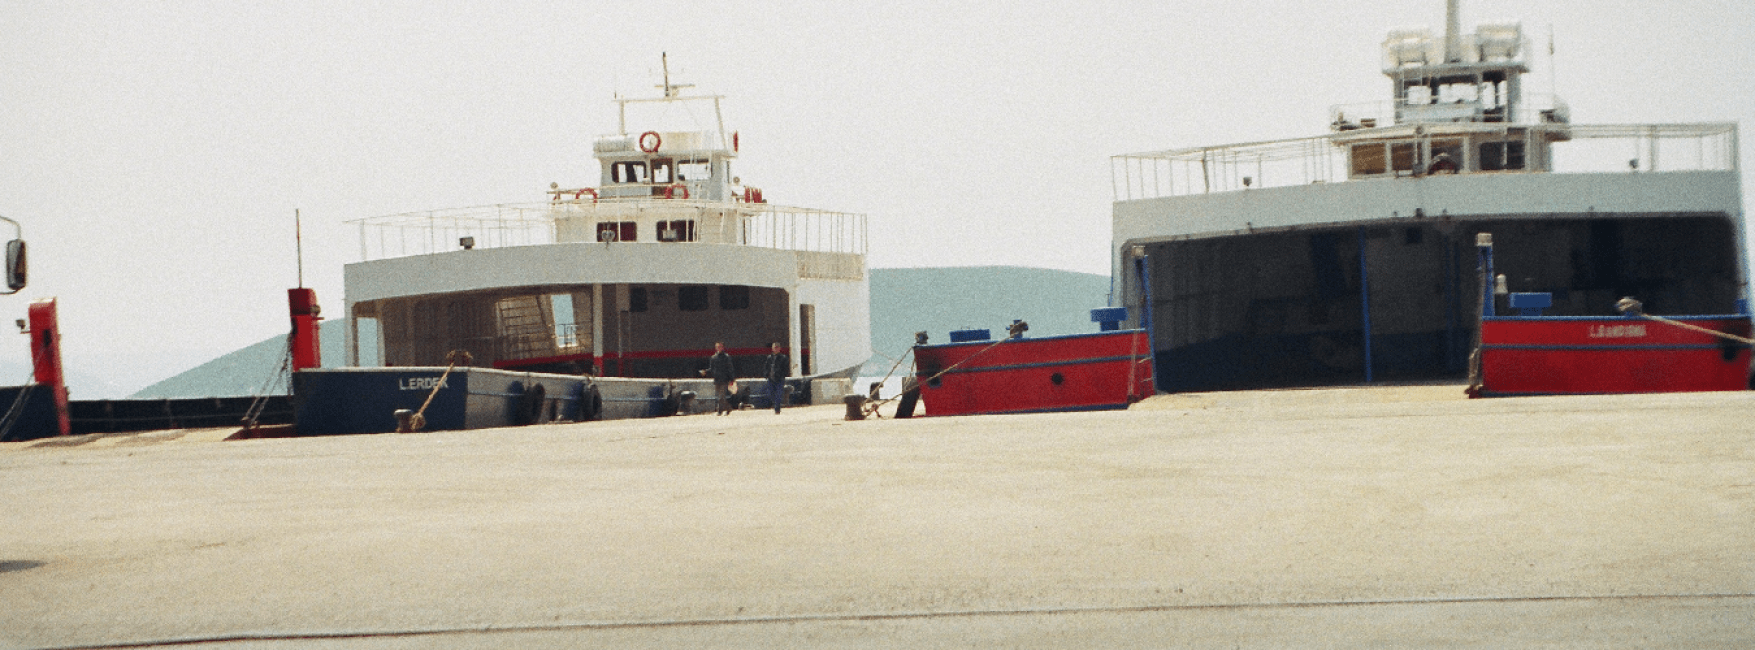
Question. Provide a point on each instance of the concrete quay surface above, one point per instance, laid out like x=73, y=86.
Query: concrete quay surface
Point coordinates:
x=1326, y=518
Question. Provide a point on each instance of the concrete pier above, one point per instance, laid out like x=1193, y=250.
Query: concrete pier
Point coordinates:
x=1347, y=517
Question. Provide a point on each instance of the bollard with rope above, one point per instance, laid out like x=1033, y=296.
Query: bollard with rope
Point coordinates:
x=1015, y=330
x=1633, y=307
x=412, y=421
x=872, y=402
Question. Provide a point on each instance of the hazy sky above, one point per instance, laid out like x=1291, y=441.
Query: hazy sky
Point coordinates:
x=155, y=151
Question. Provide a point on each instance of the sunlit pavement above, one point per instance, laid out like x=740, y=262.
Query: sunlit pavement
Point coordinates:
x=1348, y=517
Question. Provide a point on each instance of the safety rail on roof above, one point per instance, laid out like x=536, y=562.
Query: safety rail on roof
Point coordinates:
x=1535, y=108
x=528, y=224
x=1597, y=148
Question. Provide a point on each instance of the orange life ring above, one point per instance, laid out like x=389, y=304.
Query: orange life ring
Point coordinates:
x=657, y=141
x=577, y=194
x=670, y=191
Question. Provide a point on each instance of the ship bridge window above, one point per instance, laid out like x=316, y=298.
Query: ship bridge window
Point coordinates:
x=1368, y=159
x=1403, y=156
x=692, y=298
x=614, y=231
x=1447, y=155
x=693, y=170
x=628, y=172
x=661, y=171
x=680, y=230
x=1497, y=156
x=1458, y=93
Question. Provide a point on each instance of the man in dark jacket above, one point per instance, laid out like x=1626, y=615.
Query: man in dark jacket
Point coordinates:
x=723, y=373
x=778, y=367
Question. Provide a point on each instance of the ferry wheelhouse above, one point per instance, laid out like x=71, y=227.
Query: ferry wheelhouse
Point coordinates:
x=636, y=276
x=1349, y=256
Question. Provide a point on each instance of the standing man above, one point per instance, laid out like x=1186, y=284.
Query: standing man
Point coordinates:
x=778, y=367
x=723, y=373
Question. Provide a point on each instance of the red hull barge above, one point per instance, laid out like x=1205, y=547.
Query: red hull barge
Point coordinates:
x=1532, y=354
x=1081, y=372
x=1583, y=355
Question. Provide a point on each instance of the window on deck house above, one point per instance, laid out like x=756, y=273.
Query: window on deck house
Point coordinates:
x=612, y=231
x=676, y=231
x=734, y=297
x=691, y=298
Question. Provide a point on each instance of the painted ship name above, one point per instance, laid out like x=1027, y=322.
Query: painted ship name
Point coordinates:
x=420, y=383
x=1617, y=331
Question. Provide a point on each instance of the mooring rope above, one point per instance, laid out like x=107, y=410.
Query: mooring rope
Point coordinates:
x=418, y=421
x=260, y=404
x=1016, y=329
x=1630, y=306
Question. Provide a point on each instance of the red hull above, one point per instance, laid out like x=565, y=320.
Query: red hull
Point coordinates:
x=1109, y=370
x=1530, y=356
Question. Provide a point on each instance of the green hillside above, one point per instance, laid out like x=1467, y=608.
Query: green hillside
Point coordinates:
x=244, y=371
x=903, y=301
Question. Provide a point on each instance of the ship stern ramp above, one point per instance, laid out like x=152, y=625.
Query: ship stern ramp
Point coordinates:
x=1365, y=281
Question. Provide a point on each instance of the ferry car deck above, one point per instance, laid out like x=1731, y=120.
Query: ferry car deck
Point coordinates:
x=1349, y=256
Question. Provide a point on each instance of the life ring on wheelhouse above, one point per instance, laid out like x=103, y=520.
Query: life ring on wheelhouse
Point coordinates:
x=577, y=194
x=657, y=141
x=671, y=191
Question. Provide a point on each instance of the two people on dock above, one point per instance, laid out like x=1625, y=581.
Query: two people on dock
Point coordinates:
x=724, y=374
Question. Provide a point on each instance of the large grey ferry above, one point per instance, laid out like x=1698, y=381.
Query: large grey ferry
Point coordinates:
x=1349, y=256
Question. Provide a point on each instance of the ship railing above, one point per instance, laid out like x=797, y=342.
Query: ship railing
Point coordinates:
x=434, y=231
x=1533, y=109
x=528, y=224
x=1604, y=148
x=803, y=229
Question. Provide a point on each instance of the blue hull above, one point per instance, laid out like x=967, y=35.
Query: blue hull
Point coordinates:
x=337, y=401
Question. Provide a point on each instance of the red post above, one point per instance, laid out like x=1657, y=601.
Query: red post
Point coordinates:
x=307, y=351
x=45, y=351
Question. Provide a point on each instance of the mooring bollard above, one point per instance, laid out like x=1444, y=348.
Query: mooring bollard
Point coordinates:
x=405, y=421
x=855, y=406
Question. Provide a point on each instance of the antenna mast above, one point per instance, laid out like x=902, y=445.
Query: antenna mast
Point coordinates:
x=299, y=239
x=669, y=90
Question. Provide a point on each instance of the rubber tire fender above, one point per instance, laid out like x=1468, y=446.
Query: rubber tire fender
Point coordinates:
x=529, y=407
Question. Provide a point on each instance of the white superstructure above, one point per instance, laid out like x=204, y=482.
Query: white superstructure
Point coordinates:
x=637, y=276
x=1345, y=256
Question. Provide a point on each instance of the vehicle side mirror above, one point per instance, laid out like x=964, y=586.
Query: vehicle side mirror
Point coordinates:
x=16, y=269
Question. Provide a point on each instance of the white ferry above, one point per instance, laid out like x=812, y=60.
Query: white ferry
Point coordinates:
x=1349, y=256
x=635, y=277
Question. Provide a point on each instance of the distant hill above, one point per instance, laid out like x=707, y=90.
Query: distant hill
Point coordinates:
x=903, y=301
x=244, y=371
